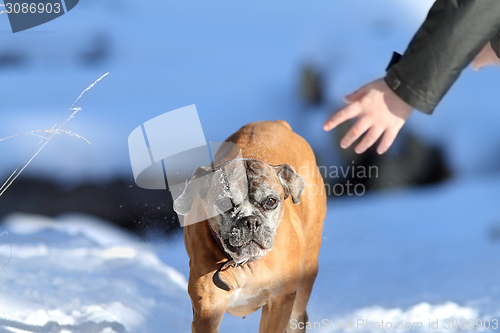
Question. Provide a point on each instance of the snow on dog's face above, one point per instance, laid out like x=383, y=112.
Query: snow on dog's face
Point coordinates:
x=243, y=201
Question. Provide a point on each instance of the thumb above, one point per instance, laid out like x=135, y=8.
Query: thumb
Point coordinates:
x=355, y=96
x=477, y=65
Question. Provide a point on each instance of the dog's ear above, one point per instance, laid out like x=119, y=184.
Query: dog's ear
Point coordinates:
x=196, y=185
x=292, y=183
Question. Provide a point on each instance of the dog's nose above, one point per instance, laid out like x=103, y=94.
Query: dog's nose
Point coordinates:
x=252, y=222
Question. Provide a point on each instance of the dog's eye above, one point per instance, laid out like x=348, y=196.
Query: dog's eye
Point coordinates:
x=270, y=203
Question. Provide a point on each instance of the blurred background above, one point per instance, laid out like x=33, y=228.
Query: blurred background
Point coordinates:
x=422, y=242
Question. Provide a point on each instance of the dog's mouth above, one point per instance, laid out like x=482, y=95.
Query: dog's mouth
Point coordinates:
x=239, y=248
x=250, y=249
x=251, y=243
x=243, y=243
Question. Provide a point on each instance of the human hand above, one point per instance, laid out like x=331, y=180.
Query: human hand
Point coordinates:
x=485, y=57
x=380, y=112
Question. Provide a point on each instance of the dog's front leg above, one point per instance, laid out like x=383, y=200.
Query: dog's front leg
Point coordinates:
x=276, y=313
x=209, y=303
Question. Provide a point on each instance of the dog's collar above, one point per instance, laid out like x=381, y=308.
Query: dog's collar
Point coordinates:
x=230, y=262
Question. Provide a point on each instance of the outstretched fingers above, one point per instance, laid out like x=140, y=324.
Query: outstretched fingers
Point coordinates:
x=381, y=114
x=369, y=139
x=360, y=127
x=355, y=96
x=387, y=139
x=348, y=112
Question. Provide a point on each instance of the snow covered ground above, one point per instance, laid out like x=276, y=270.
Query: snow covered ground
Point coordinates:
x=86, y=276
x=401, y=256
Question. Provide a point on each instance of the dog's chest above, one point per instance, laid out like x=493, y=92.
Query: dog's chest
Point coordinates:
x=239, y=299
x=243, y=302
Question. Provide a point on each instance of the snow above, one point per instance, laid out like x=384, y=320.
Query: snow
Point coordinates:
x=78, y=271
x=403, y=249
x=383, y=257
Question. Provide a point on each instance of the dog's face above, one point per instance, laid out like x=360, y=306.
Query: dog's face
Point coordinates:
x=244, y=201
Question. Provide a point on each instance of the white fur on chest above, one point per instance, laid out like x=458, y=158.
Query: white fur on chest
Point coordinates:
x=239, y=299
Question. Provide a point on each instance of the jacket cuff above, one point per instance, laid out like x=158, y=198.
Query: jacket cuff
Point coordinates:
x=407, y=93
x=495, y=44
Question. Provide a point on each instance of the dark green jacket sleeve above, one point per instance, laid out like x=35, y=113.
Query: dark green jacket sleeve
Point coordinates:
x=452, y=34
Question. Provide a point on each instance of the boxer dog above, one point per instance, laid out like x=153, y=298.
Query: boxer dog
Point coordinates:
x=257, y=242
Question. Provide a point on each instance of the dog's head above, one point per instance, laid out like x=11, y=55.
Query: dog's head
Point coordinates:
x=244, y=200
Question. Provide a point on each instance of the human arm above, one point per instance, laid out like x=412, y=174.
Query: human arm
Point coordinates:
x=452, y=34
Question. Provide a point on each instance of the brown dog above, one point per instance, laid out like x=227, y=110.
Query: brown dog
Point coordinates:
x=259, y=244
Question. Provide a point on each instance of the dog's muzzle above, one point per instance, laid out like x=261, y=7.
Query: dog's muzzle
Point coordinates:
x=249, y=237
